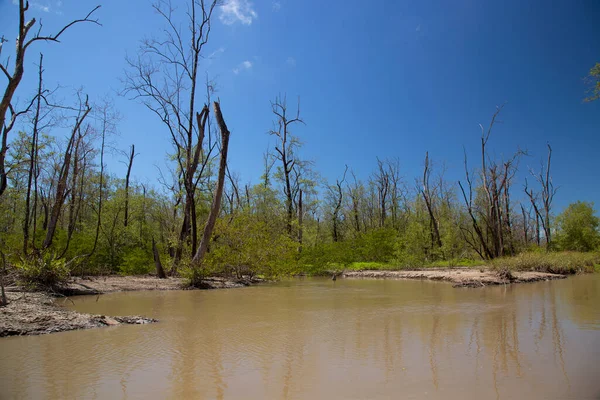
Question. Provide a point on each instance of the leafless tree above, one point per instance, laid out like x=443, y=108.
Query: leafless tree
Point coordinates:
x=127, y=176
x=542, y=201
x=285, y=150
x=356, y=192
x=164, y=77
x=491, y=218
x=216, y=202
x=428, y=196
x=336, y=196
x=62, y=181
x=14, y=79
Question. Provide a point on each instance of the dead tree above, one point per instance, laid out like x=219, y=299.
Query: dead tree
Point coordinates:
x=355, y=192
x=285, y=151
x=382, y=183
x=216, y=203
x=428, y=196
x=62, y=182
x=164, y=78
x=14, y=78
x=129, y=165
x=491, y=219
x=336, y=194
x=33, y=155
x=545, y=197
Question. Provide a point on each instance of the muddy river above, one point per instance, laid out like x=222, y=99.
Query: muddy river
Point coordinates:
x=319, y=339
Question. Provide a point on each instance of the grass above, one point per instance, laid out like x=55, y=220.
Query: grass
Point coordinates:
x=563, y=263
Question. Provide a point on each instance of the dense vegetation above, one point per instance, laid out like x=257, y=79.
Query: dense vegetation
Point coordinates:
x=62, y=213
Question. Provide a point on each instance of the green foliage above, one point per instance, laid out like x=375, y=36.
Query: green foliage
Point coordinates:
x=558, y=263
x=594, y=81
x=578, y=228
x=43, y=271
x=248, y=245
x=137, y=261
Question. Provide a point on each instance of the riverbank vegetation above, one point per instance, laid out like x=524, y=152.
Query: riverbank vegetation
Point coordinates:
x=62, y=213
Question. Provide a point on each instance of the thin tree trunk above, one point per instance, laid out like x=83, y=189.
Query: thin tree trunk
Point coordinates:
x=160, y=272
x=61, y=187
x=32, y=157
x=300, y=221
x=131, y=156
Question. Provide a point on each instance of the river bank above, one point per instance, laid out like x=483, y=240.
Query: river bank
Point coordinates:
x=38, y=313
x=35, y=313
x=459, y=277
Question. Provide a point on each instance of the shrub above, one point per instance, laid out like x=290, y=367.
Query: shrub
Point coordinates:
x=43, y=271
x=137, y=262
x=567, y=262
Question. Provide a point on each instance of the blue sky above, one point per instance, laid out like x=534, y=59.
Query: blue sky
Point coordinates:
x=376, y=79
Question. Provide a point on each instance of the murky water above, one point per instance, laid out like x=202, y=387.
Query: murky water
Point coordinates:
x=318, y=339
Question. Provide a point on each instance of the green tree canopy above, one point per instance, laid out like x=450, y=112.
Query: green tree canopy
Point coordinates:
x=578, y=227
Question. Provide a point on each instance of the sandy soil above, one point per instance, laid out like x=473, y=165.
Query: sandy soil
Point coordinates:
x=460, y=277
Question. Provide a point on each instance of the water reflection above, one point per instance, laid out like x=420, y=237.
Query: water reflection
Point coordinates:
x=319, y=339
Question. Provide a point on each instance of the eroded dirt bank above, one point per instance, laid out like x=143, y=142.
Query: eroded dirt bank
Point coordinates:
x=36, y=313
x=108, y=284
x=460, y=277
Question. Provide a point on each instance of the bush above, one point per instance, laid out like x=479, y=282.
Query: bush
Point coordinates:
x=567, y=262
x=43, y=271
x=137, y=262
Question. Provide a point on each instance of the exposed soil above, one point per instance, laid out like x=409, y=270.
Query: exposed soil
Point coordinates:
x=460, y=277
x=36, y=313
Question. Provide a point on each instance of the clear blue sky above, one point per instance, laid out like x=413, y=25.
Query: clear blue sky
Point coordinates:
x=376, y=79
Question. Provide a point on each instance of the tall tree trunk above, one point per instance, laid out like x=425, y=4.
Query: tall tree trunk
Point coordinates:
x=61, y=187
x=216, y=204
x=32, y=157
x=131, y=156
x=300, y=221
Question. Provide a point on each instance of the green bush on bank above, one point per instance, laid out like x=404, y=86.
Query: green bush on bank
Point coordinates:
x=566, y=262
x=43, y=271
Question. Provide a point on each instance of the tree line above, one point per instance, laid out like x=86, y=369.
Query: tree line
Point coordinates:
x=61, y=212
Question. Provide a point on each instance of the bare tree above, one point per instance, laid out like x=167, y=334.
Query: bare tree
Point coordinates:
x=216, y=203
x=62, y=182
x=382, y=183
x=491, y=218
x=32, y=155
x=545, y=197
x=356, y=191
x=428, y=196
x=336, y=195
x=164, y=77
x=127, y=176
x=14, y=78
x=285, y=149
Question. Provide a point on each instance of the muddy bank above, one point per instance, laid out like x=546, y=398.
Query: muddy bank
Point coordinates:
x=115, y=283
x=38, y=314
x=460, y=277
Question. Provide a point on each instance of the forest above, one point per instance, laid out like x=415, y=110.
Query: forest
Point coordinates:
x=62, y=213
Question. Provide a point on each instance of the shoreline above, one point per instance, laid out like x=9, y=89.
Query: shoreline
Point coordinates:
x=459, y=277
x=37, y=313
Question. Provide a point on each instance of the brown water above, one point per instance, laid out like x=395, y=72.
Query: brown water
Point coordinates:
x=318, y=339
